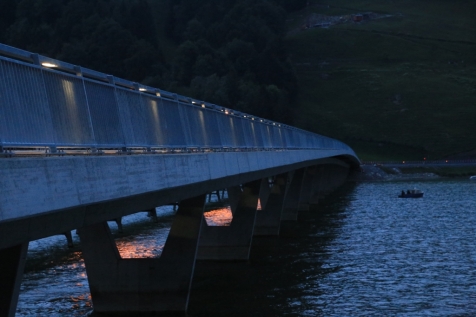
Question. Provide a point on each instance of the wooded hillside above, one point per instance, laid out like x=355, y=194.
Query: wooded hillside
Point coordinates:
x=227, y=52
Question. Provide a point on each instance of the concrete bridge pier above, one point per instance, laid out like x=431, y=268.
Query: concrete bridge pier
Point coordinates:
x=228, y=243
x=306, y=188
x=318, y=184
x=144, y=284
x=69, y=238
x=291, y=203
x=12, y=264
x=264, y=192
x=268, y=219
x=339, y=175
x=152, y=213
x=327, y=179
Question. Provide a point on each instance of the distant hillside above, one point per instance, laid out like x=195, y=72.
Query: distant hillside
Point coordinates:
x=394, y=79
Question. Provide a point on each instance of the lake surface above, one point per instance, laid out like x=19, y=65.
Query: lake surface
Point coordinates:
x=361, y=252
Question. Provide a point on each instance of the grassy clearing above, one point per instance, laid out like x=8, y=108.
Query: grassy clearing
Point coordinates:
x=408, y=80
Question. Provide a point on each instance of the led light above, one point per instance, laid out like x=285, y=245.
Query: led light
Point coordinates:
x=142, y=89
x=46, y=64
x=203, y=105
x=158, y=94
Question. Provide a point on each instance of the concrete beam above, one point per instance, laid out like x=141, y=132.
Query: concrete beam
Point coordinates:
x=35, y=217
x=144, y=284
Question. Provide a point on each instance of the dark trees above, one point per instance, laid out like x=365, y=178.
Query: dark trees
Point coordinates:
x=226, y=52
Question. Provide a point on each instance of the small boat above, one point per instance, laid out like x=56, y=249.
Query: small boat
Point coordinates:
x=473, y=178
x=411, y=193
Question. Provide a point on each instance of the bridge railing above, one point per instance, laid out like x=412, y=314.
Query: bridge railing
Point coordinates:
x=52, y=104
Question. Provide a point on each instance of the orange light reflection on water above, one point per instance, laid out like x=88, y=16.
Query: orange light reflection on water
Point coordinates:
x=219, y=217
x=134, y=250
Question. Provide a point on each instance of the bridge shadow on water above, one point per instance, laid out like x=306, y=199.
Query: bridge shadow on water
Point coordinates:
x=274, y=279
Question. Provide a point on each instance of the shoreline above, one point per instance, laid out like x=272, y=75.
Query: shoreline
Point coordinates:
x=375, y=173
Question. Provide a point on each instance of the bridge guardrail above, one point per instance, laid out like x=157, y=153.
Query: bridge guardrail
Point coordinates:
x=46, y=103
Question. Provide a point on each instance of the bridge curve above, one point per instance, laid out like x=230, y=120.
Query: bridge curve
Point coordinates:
x=80, y=147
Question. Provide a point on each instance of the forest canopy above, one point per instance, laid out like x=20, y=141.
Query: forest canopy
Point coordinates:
x=226, y=52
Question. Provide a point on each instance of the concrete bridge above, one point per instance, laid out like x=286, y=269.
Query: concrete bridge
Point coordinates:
x=79, y=148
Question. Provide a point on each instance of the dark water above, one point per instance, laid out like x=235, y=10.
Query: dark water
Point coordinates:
x=361, y=252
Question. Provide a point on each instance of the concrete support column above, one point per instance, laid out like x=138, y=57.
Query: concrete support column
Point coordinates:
x=234, y=196
x=264, y=192
x=291, y=203
x=306, y=188
x=12, y=264
x=324, y=181
x=227, y=243
x=268, y=219
x=152, y=213
x=144, y=284
x=339, y=175
x=328, y=178
x=69, y=238
x=317, y=185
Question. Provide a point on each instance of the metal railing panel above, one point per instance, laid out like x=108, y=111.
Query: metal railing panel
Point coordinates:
x=154, y=123
x=194, y=121
x=134, y=118
x=69, y=109
x=238, y=132
x=25, y=116
x=172, y=127
x=250, y=138
x=212, y=128
x=226, y=126
x=267, y=136
x=278, y=139
x=104, y=112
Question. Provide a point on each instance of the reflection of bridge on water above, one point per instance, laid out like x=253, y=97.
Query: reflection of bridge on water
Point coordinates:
x=80, y=148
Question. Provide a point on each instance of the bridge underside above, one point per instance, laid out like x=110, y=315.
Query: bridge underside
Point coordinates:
x=65, y=193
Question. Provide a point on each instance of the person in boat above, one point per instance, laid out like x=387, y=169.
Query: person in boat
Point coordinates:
x=408, y=192
x=403, y=193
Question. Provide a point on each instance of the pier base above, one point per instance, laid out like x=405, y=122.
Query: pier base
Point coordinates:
x=144, y=284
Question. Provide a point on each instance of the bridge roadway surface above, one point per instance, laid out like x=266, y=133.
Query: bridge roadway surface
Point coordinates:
x=44, y=196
